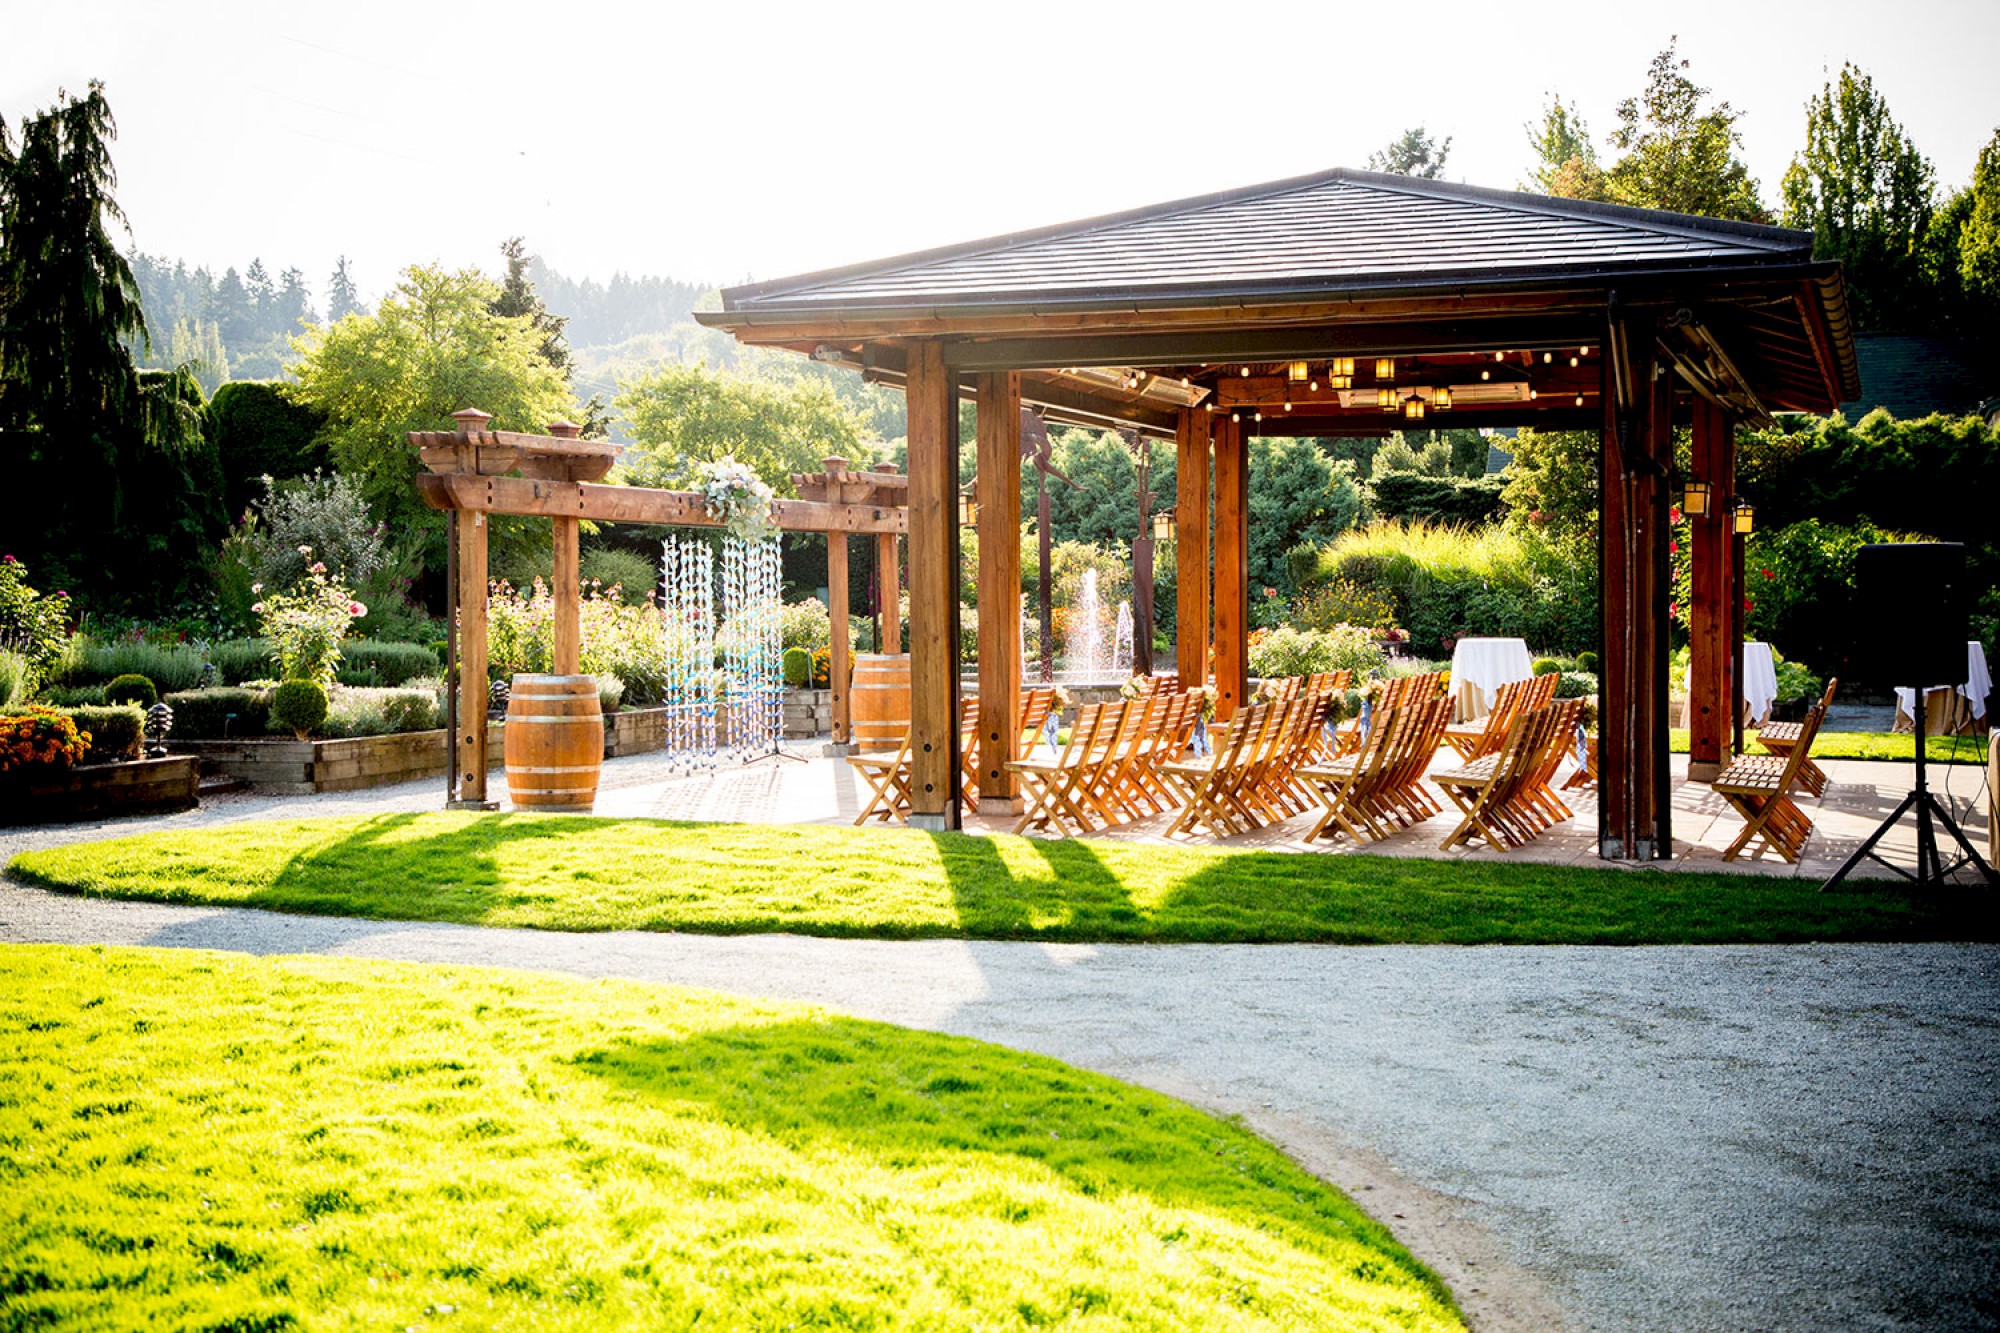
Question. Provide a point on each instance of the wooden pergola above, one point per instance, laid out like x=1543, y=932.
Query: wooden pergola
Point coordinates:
x=1329, y=305
x=472, y=475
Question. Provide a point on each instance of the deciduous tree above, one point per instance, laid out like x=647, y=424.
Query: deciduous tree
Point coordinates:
x=684, y=415
x=1679, y=155
x=1866, y=193
x=1414, y=154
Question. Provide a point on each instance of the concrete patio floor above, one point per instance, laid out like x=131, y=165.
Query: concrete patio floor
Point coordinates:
x=1859, y=795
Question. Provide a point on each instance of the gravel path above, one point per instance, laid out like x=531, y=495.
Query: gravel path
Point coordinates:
x=1648, y=1138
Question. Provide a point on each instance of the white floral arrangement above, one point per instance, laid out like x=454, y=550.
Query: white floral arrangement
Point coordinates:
x=735, y=495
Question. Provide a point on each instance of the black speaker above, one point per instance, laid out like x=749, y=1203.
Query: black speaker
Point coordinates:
x=1914, y=600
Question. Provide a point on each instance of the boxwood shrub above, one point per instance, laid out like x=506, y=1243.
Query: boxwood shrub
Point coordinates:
x=224, y=713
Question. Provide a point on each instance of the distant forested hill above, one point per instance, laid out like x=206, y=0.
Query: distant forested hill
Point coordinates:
x=601, y=314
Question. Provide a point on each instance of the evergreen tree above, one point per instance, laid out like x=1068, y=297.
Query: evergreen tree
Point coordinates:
x=295, y=311
x=1979, y=236
x=232, y=311
x=1679, y=156
x=518, y=297
x=1415, y=154
x=263, y=301
x=1866, y=193
x=341, y=298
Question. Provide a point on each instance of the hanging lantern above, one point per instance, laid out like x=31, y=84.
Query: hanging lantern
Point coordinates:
x=1413, y=408
x=1341, y=365
x=1385, y=369
x=1386, y=399
x=968, y=511
x=1746, y=518
x=1165, y=525
x=1694, y=499
x=1441, y=398
x=1296, y=371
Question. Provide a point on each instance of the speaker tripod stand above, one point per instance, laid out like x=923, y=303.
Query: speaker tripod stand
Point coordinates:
x=1931, y=872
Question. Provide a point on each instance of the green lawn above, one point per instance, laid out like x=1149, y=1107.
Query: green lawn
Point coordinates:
x=580, y=873
x=209, y=1142
x=1887, y=745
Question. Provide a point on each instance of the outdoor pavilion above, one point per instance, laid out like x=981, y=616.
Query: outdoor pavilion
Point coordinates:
x=1210, y=319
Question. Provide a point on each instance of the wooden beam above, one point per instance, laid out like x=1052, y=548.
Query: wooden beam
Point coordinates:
x=1711, y=691
x=638, y=504
x=1232, y=567
x=1269, y=344
x=999, y=494
x=933, y=438
x=471, y=655
x=837, y=672
x=566, y=594
x=1191, y=543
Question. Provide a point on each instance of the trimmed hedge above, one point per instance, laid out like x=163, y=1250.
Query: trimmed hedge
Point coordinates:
x=90, y=662
x=1415, y=495
x=132, y=689
x=385, y=662
x=206, y=715
x=238, y=660
x=258, y=431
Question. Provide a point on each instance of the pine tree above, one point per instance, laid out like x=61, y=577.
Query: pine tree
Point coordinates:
x=341, y=298
x=263, y=296
x=294, y=309
x=232, y=311
x=518, y=297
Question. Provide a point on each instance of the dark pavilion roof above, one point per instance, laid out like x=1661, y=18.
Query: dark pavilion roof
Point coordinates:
x=1338, y=231
x=1247, y=276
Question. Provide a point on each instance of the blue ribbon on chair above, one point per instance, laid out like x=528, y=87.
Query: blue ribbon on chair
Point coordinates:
x=1367, y=719
x=1049, y=735
x=1201, y=746
x=1582, y=748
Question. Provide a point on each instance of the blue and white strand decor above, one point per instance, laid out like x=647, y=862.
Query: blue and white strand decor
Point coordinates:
x=752, y=660
x=687, y=606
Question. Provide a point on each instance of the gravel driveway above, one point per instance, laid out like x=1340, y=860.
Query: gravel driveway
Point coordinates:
x=1646, y=1138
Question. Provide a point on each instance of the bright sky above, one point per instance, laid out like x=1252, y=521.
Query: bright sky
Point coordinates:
x=733, y=139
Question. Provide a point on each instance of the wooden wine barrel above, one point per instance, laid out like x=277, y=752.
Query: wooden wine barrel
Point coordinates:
x=878, y=699
x=554, y=743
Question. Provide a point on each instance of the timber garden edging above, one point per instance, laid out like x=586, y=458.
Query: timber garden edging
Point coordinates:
x=100, y=791
x=357, y=762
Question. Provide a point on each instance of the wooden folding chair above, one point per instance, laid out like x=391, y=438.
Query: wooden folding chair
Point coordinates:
x=1781, y=738
x=1505, y=797
x=1760, y=788
x=1052, y=795
x=968, y=750
x=1344, y=786
x=888, y=777
x=1213, y=785
x=1398, y=795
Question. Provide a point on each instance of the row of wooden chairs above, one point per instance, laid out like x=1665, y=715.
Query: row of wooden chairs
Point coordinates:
x=1391, y=693
x=1380, y=788
x=1253, y=776
x=1479, y=738
x=1111, y=770
x=1508, y=797
x=887, y=773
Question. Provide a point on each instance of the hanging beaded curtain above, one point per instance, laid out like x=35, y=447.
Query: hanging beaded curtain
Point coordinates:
x=688, y=602
x=751, y=661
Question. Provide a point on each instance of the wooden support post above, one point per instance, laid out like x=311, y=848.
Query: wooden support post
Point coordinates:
x=1232, y=567
x=1633, y=794
x=932, y=398
x=888, y=589
x=1712, y=690
x=1191, y=542
x=567, y=597
x=471, y=657
x=999, y=495
x=836, y=596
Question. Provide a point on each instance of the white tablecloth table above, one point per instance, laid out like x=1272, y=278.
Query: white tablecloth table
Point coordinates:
x=1760, y=680
x=1953, y=717
x=1481, y=666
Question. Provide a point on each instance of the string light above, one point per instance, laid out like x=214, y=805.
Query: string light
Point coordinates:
x=1499, y=356
x=1573, y=362
x=1486, y=374
x=1246, y=372
x=1547, y=357
x=1288, y=407
x=1579, y=400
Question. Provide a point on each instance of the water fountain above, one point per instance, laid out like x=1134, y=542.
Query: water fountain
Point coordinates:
x=1121, y=642
x=1088, y=658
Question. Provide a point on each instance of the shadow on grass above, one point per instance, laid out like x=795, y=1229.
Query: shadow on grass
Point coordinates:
x=911, y=1100
x=1076, y=895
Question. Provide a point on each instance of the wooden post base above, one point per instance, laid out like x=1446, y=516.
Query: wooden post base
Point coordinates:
x=999, y=805
x=924, y=823
x=1700, y=771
